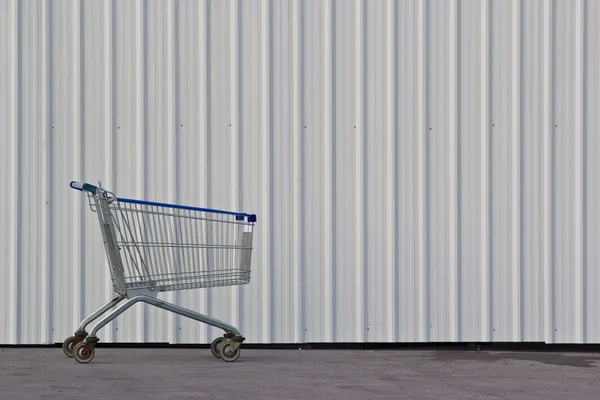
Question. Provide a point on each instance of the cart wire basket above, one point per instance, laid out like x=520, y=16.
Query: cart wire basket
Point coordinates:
x=156, y=247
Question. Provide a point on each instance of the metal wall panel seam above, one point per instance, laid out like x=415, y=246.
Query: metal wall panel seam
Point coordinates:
x=517, y=220
x=453, y=172
x=14, y=257
x=486, y=185
x=297, y=156
x=584, y=172
x=328, y=174
x=548, y=204
x=45, y=277
x=236, y=132
x=171, y=156
x=140, y=133
x=459, y=205
x=204, y=122
x=392, y=333
x=360, y=173
x=78, y=209
x=267, y=236
x=109, y=138
x=422, y=173
x=579, y=195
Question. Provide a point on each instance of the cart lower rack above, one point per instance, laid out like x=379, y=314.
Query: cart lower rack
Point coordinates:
x=156, y=247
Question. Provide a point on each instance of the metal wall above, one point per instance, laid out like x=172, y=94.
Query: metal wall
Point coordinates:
x=421, y=170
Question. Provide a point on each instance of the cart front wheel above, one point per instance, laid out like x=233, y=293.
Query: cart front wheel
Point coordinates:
x=215, y=347
x=229, y=352
x=68, y=346
x=82, y=354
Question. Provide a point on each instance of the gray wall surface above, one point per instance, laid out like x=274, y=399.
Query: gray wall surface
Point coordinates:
x=422, y=171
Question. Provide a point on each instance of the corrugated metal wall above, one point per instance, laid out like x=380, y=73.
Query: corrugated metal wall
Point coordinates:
x=422, y=170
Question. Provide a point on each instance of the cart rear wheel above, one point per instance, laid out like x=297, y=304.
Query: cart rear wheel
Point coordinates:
x=215, y=347
x=68, y=346
x=229, y=352
x=83, y=355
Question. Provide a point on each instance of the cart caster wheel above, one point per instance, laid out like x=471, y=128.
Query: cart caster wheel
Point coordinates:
x=83, y=355
x=215, y=347
x=228, y=351
x=68, y=346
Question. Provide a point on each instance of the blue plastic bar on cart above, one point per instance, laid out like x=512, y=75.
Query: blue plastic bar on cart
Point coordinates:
x=93, y=189
x=250, y=217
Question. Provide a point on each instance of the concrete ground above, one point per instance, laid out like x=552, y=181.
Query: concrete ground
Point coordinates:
x=168, y=373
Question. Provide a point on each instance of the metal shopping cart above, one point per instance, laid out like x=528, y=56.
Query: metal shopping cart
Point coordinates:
x=156, y=247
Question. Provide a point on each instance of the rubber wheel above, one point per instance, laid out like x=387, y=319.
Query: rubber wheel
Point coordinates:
x=68, y=346
x=215, y=347
x=82, y=355
x=228, y=351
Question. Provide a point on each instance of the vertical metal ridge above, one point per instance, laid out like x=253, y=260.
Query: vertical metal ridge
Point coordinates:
x=77, y=152
x=175, y=114
x=584, y=174
x=266, y=172
x=109, y=121
x=392, y=333
x=14, y=257
x=517, y=218
x=297, y=156
x=172, y=133
x=109, y=107
x=140, y=133
x=329, y=169
x=422, y=105
x=236, y=132
x=459, y=222
x=46, y=159
x=486, y=185
x=548, y=225
x=453, y=189
x=579, y=137
x=204, y=121
x=360, y=174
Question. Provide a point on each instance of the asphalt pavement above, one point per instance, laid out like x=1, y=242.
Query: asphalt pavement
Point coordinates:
x=176, y=373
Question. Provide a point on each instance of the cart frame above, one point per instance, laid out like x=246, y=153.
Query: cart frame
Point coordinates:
x=144, y=287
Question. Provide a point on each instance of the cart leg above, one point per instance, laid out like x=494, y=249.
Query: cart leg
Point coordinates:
x=81, y=330
x=231, y=331
x=84, y=351
x=80, y=335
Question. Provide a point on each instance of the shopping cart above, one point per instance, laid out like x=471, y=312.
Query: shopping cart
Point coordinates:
x=156, y=247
